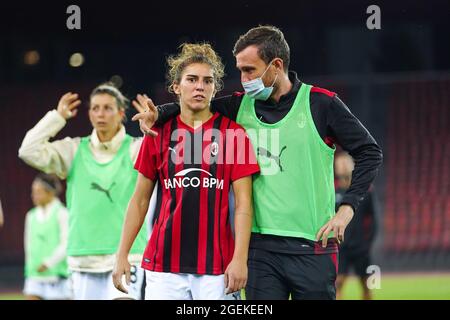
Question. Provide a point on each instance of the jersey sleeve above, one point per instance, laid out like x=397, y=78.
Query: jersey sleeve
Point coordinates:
x=244, y=162
x=146, y=159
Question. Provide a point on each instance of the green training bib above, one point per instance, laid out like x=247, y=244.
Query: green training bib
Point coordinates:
x=294, y=194
x=97, y=199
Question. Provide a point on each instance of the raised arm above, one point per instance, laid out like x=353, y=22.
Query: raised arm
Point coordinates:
x=57, y=156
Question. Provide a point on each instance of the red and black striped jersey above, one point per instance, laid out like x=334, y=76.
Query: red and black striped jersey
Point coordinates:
x=194, y=169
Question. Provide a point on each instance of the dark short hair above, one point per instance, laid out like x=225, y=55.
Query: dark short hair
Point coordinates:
x=270, y=42
x=50, y=182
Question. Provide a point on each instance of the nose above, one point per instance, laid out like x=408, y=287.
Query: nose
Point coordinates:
x=101, y=112
x=200, y=86
x=245, y=77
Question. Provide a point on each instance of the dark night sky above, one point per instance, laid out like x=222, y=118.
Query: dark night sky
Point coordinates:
x=132, y=38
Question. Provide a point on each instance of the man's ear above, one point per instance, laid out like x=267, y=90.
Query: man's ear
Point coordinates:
x=279, y=64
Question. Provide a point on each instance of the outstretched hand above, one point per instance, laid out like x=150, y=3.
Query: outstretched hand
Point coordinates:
x=147, y=116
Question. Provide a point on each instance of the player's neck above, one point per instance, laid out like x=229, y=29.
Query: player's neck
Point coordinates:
x=195, y=118
x=106, y=136
x=285, y=85
x=44, y=204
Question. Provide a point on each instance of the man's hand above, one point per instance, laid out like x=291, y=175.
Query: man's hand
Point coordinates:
x=121, y=267
x=337, y=225
x=236, y=276
x=42, y=268
x=67, y=105
x=147, y=116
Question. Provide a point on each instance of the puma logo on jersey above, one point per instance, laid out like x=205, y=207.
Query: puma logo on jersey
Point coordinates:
x=96, y=186
x=42, y=237
x=266, y=153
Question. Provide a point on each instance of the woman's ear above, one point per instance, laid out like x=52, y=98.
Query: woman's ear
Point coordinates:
x=122, y=114
x=176, y=88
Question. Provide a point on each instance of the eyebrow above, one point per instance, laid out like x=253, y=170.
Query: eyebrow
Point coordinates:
x=99, y=105
x=196, y=76
x=246, y=68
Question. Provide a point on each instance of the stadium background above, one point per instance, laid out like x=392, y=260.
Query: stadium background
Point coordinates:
x=395, y=80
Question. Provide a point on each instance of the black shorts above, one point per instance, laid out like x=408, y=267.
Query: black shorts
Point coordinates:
x=275, y=276
x=358, y=261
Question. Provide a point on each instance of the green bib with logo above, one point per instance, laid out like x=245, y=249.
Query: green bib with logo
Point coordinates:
x=43, y=239
x=97, y=199
x=294, y=194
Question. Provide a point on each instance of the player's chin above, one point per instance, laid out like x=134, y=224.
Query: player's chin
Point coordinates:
x=198, y=106
x=102, y=127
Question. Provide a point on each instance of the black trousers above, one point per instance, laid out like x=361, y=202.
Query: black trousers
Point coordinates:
x=358, y=260
x=275, y=276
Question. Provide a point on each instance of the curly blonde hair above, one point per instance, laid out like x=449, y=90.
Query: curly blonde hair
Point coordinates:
x=194, y=53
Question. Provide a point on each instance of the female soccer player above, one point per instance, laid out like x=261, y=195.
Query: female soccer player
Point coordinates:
x=100, y=181
x=195, y=158
x=45, y=239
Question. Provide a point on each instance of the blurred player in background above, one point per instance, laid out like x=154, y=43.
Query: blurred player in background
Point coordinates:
x=100, y=181
x=354, y=252
x=45, y=240
x=195, y=158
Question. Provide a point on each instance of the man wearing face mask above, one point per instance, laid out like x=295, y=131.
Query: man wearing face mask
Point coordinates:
x=293, y=127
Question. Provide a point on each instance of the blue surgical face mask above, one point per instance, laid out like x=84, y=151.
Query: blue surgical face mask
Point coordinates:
x=255, y=88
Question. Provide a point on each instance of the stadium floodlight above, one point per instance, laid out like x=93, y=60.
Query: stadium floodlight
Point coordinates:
x=76, y=60
x=31, y=57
